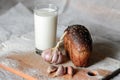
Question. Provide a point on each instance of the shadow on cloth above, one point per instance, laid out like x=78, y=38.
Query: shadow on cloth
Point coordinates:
x=102, y=50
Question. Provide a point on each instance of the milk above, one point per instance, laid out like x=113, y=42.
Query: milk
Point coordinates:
x=45, y=21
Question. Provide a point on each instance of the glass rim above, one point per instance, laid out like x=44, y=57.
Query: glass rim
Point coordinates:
x=43, y=5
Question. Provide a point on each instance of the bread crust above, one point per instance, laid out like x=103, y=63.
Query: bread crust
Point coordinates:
x=78, y=44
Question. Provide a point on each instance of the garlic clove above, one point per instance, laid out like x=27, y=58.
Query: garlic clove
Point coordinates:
x=65, y=70
x=70, y=70
x=54, y=58
x=60, y=71
x=44, y=53
x=47, y=55
x=59, y=58
x=52, y=69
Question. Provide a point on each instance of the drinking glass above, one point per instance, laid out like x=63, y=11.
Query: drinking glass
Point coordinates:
x=45, y=25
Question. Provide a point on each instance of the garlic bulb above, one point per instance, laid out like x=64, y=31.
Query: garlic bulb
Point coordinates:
x=54, y=55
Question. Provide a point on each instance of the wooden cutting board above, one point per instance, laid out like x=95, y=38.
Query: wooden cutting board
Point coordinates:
x=33, y=65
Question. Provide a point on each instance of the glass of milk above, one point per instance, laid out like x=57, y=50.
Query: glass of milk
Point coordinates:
x=45, y=22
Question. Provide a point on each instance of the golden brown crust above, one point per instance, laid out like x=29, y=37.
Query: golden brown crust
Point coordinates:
x=78, y=44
